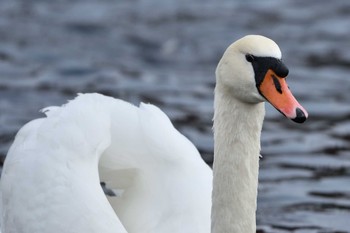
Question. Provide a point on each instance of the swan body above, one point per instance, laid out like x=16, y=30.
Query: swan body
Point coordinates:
x=63, y=188
x=52, y=173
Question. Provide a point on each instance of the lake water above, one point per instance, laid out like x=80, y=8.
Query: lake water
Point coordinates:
x=165, y=52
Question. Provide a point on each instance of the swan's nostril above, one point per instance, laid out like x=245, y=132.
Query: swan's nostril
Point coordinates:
x=301, y=117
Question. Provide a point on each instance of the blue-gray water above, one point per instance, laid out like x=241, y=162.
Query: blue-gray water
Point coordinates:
x=165, y=52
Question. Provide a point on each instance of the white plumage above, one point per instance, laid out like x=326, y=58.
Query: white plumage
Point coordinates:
x=52, y=173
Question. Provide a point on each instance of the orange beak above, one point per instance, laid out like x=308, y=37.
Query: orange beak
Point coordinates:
x=276, y=91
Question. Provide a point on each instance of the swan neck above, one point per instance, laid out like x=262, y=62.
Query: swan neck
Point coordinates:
x=237, y=129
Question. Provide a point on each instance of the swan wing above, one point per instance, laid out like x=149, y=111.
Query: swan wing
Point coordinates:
x=50, y=179
x=161, y=183
x=157, y=179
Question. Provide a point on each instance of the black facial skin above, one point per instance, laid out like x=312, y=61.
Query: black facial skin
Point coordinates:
x=262, y=64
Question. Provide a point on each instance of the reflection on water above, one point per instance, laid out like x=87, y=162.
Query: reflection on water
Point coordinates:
x=165, y=52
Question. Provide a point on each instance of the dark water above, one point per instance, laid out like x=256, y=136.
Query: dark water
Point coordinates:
x=165, y=52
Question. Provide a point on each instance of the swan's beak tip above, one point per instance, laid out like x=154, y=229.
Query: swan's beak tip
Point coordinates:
x=301, y=116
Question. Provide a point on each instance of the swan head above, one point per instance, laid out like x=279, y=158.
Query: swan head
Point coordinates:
x=252, y=71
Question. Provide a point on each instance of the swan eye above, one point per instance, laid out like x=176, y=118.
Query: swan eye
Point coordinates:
x=249, y=57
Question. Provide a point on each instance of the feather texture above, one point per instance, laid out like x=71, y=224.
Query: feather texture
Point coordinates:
x=54, y=160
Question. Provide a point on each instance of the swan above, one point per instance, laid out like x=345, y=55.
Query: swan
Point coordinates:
x=51, y=176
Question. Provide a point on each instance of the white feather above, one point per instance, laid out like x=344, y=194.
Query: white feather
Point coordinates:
x=52, y=173
x=54, y=162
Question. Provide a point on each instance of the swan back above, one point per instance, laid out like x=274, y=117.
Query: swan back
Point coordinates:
x=51, y=172
x=168, y=187
x=50, y=181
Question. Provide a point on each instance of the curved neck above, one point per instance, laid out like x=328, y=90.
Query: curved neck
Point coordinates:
x=237, y=129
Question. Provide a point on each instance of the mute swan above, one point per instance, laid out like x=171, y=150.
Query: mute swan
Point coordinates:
x=51, y=181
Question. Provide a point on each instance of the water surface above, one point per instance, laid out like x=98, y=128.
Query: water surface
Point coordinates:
x=165, y=52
